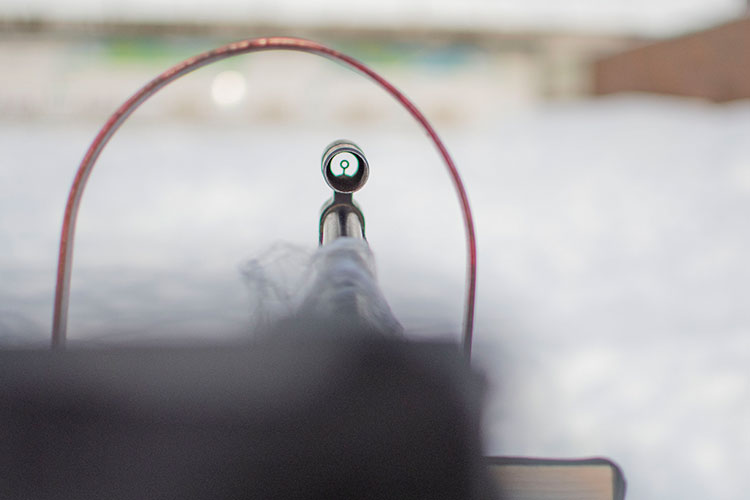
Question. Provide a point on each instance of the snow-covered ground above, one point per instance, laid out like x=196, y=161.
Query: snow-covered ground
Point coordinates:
x=614, y=280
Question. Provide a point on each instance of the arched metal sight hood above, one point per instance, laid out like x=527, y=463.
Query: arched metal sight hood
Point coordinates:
x=65, y=257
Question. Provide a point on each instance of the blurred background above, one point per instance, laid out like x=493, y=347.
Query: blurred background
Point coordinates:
x=603, y=143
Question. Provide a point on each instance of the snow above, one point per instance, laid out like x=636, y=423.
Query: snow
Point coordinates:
x=613, y=236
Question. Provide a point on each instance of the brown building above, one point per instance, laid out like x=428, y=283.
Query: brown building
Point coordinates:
x=712, y=64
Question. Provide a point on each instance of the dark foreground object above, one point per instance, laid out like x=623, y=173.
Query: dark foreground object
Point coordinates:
x=273, y=420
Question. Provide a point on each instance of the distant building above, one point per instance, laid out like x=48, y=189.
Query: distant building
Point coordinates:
x=712, y=64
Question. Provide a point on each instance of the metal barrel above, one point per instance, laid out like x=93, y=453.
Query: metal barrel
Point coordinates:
x=345, y=170
x=344, y=166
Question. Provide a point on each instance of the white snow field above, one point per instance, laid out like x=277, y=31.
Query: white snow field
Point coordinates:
x=614, y=279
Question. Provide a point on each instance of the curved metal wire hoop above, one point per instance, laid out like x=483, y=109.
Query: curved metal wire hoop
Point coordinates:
x=65, y=258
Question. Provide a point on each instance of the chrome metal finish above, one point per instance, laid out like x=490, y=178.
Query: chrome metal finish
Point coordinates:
x=345, y=169
x=341, y=218
x=344, y=166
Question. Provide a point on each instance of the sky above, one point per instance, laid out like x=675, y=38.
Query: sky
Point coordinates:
x=647, y=17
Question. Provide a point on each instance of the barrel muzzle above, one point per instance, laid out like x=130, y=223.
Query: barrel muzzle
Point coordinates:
x=345, y=170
